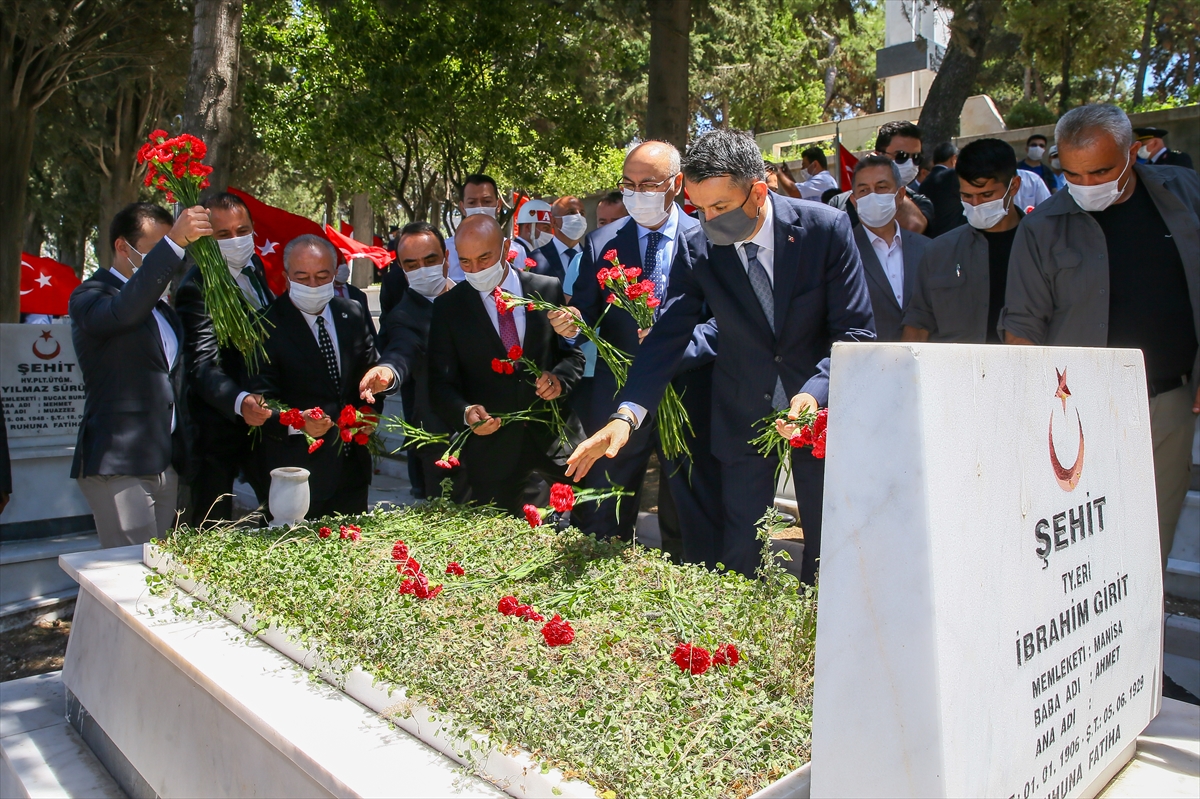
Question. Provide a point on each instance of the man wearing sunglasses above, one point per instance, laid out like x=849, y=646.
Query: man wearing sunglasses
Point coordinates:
x=901, y=142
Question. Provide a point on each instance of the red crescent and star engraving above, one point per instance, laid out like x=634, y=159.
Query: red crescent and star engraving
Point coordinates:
x=1068, y=478
x=45, y=336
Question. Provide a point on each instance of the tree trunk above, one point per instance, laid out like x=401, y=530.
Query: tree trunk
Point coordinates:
x=362, y=270
x=956, y=76
x=667, y=95
x=16, y=142
x=1027, y=89
x=129, y=119
x=1144, y=52
x=330, y=198
x=212, y=83
x=35, y=234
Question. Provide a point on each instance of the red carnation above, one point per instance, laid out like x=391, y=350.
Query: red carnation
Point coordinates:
x=653, y=302
x=530, y=263
x=522, y=610
x=507, y=605
x=611, y=255
x=562, y=497
x=361, y=438
x=508, y=368
x=532, y=515
x=348, y=417
x=515, y=352
x=529, y=307
x=611, y=299
x=529, y=614
x=409, y=566
x=418, y=586
x=632, y=273
x=455, y=568
x=399, y=551
x=316, y=414
x=558, y=632
x=441, y=464
x=346, y=434
x=497, y=366
x=691, y=658
x=324, y=532
x=726, y=655
x=818, y=449
x=316, y=445
x=512, y=256
x=453, y=462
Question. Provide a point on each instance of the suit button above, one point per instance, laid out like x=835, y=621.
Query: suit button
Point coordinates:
x=778, y=358
x=767, y=397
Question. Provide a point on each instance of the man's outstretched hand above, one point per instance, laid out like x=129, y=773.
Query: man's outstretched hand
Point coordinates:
x=800, y=403
x=605, y=444
x=377, y=379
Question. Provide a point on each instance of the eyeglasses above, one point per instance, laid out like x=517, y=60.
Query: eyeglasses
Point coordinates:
x=901, y=157
x=628, y=187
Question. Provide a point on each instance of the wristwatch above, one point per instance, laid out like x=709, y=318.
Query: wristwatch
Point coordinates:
x=624, y=417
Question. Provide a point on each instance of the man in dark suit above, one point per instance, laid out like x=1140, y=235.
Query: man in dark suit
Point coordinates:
x=467, y=332
x=342, y=287
x=784, y=281
x=662, y=240
x=421, y=252
x=1154, y=150
x=221, y=408
x=570, y=225
x=901, y=142
x=889, y=253
x=941, y=188
x=133, y=443
x=320, y=354
x=391, y=288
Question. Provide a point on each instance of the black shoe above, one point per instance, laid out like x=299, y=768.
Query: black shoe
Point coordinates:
x=1173, y=690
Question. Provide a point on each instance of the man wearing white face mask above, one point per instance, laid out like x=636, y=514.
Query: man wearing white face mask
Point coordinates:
x=1112, y=262
x=421, y=253
x=901, y=142
x=467, y=335
x=219, y=402
x=479, y=197
x=889, y=253
x=1035, y=150
x=962, y=277
x=319, y=355
x=342, y=287
x=570, y=225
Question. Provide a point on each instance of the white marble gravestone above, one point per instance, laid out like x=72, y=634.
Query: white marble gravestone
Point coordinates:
x=990, y=605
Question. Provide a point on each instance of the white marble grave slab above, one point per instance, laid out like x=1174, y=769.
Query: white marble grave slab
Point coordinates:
x=990, y=612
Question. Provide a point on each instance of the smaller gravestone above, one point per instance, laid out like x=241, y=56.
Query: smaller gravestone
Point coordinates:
x=42, y=390
x=990, y=612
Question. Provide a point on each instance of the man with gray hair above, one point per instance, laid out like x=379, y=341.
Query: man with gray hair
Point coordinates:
x=1112, y=262
x=320, y=357
x=783, y=280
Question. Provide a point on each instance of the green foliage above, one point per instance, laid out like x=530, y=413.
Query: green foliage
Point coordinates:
x=1028, y=114
x=611, y=707
x=582, y=176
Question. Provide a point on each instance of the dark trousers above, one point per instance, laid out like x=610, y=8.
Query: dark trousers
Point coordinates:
x=506, y=489
x=749, y=490
x=222, y=454
x=347, y=500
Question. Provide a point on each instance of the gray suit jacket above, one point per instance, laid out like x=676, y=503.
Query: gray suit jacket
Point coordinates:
x=1058, y=272
x=889, y=314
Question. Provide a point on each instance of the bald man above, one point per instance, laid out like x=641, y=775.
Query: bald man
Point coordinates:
x=664, y=242
x=570, y=225
x=467, y=332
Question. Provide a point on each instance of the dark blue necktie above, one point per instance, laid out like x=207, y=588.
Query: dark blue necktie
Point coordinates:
x=653, y=269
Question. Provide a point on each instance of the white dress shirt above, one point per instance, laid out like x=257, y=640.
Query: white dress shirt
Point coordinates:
x=818, y=184
x=1033, y=190
x=511, y=284
x=455, y=270
x=166, y=333
x=562, y=248
x=890, y=252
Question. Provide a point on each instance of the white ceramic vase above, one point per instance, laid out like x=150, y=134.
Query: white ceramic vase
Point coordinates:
x=289, y=497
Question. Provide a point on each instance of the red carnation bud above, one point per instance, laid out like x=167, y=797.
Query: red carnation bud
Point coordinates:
x=558, y=632
x=530, y=263
x=361, y=438
x=316, y=414
x=726, y=655
x=316, y=445
x=453, y=462
x=532, y=515
x=441, y=464
x=611, y=255
x=691, y=658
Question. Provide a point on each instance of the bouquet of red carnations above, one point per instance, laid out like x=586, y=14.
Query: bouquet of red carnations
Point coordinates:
x=808, y=431
x=174, y=166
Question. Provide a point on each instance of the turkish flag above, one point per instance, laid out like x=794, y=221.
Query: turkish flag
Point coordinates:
x=46, y=285
x=345, y=228
x=350, y=248
x=846, y=164
x=273, y=229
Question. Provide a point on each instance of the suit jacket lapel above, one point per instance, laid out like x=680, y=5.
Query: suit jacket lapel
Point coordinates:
x=789, y=241
x=296, y=326
x=535, y=329
x=912, y=257
x=628, y=247
x=728, y=270
x=484, y=321
x=874, y=269
x=345, y=336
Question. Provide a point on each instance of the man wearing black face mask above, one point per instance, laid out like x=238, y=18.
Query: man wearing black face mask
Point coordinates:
x=222, y=408
x=784, y=281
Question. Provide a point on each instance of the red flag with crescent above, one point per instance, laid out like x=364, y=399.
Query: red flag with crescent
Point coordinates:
x=846, y=164
x=273, y=229
x=46, y=285
x=351, y=248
